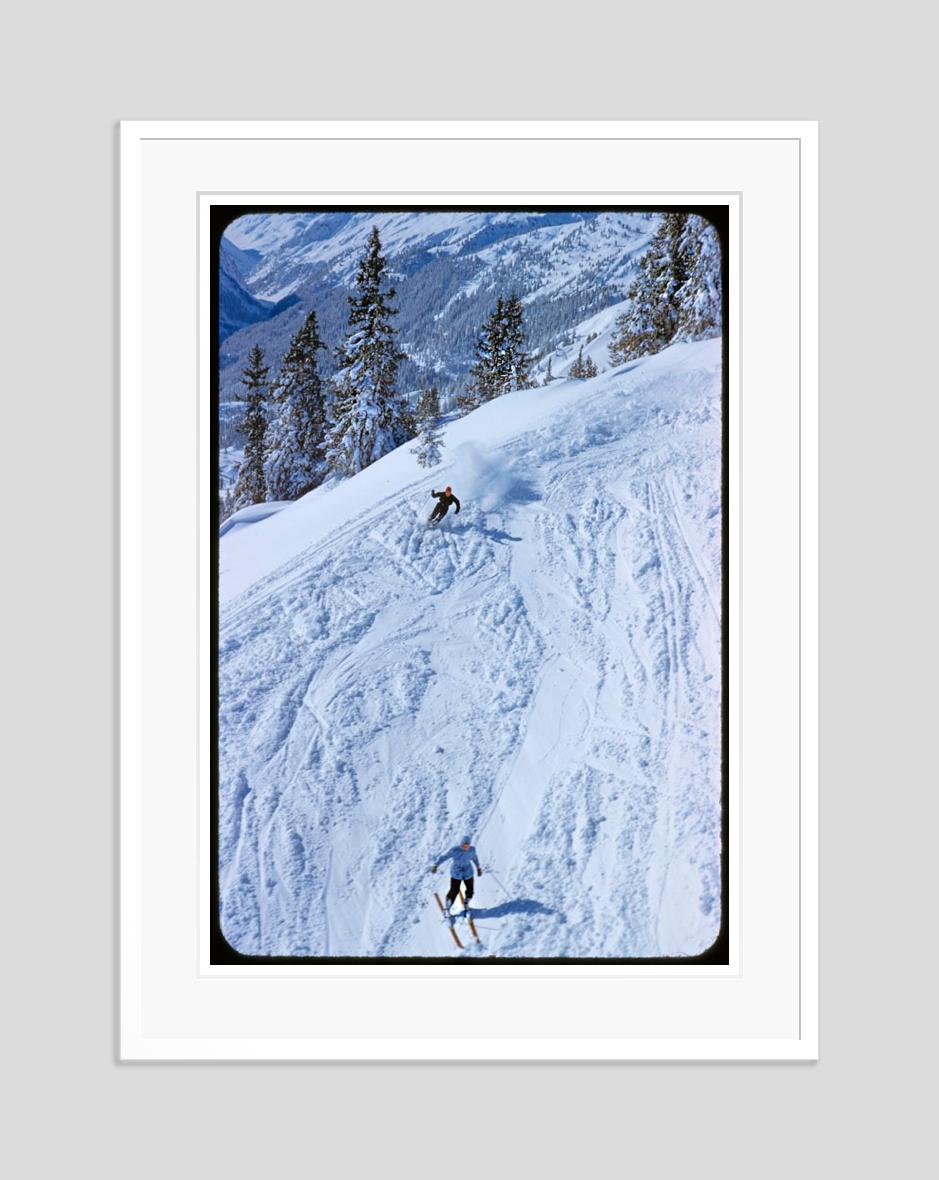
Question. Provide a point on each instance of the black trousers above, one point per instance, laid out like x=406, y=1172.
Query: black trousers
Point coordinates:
x=455, y=884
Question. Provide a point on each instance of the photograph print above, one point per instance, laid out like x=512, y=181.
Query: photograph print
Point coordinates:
x=469, y=601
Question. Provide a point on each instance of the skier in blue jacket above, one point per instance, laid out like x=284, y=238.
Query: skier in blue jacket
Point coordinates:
x=463, y=857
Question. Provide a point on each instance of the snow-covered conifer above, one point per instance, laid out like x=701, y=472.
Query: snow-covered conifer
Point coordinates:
x=430, y=438
x=517, y=364
x=296, y=433
x=369, y=419
x=488, y=371
x=699, y=297
x=648, y=324
x=251, y=487
x=549, y=376
x=676, y=294
x=582, y=369
x=502, y=361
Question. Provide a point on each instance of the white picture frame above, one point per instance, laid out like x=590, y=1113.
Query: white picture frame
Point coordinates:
x=174, y=1003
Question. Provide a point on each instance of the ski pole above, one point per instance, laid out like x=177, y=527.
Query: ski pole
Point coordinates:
x=497, y=881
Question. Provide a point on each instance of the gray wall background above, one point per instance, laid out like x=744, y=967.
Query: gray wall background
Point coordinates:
x=71, y=72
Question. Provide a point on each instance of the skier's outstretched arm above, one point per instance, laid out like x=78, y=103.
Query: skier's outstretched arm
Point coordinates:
x=457, y=502
x=441, y=860
x=479, y=870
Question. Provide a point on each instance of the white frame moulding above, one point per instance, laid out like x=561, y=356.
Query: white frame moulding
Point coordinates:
x=174, y=1004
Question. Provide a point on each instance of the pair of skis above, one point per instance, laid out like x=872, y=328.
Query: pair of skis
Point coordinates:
x=451, y=920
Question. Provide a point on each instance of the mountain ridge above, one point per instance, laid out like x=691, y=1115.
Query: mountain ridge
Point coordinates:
x=449, y=269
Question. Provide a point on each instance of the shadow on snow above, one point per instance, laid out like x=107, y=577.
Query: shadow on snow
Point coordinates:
x=498, y=535
x=521, y=905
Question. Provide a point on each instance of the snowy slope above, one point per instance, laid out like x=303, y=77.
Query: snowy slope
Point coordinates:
x=251, y=514
x=600, y=326
x=542, y=670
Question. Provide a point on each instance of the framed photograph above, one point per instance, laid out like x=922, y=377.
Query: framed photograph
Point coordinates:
x=468, y=591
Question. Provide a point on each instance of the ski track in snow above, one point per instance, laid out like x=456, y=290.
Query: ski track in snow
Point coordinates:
x=542, y=670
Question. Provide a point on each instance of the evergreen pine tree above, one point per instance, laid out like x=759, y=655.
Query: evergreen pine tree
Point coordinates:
x=427, y=418
x=502, y=361
x=699, y=297
x=468, y=398
x=651, y=321
x=549, y=376
x=369, y=419
x=251, y=487
x=517, y=361
x=488, y=371
x=582, y=369
x=296, y=434
x=674, y=274
x=633, y=331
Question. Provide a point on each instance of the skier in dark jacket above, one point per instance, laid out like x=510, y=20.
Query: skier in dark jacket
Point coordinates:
x=444, y=500
x=463, y=856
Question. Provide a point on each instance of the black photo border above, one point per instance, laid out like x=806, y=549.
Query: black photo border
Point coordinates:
x=221, y=953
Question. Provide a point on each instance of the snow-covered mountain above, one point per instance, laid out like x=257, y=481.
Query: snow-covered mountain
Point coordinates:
x=237, y=307
x=541, y=671
x=449, y=269
x=289, y=244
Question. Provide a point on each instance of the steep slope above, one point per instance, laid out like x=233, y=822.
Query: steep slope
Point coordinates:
x=542, y=670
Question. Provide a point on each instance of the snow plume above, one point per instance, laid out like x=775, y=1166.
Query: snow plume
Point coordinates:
x=492, y=479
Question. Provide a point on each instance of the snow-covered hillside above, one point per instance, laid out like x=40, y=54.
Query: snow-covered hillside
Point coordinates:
x=541, y=670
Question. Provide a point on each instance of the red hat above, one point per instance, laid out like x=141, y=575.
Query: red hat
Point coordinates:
x=448, y=489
